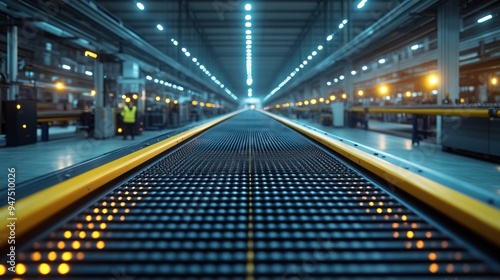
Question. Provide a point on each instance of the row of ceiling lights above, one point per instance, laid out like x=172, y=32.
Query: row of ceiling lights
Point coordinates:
x=67, y=67
x=353, y=72
x=248, y=48
x=304, y=63
x=167, y=84
x=383, y=60
x=202, y=67
x=310, y=57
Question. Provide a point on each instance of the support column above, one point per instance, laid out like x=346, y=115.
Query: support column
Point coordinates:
x=12, y=37
x=347, y=30
x=104, y=118
x=99, y=83
x=348, y=83
x=448, y=24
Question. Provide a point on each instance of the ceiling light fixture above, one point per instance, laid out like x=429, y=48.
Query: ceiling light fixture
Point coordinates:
x=361, y=4
x=485, y=18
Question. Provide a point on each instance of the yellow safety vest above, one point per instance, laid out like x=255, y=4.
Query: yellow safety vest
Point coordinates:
x=128, y=114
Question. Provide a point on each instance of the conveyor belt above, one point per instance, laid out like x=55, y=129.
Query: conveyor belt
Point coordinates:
x=248, y=199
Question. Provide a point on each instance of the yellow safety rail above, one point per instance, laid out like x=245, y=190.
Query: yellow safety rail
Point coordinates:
x=480, y=218
x=443, y=111
x=37, y=208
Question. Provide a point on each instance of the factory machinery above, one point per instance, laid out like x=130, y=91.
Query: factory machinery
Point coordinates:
x=251, y=196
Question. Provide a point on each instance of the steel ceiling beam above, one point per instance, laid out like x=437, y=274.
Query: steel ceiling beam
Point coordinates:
x=298, y=42
x=390, y=22
x=111, y=24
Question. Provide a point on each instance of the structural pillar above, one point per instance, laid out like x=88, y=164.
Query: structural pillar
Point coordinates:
x=12, y=37
x=104, y=124
x=348, y=83
x=347, y=29
x=99, y=83
x=448, y=25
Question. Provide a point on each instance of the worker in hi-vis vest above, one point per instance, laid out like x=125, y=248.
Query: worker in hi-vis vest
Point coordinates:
x=129, y=116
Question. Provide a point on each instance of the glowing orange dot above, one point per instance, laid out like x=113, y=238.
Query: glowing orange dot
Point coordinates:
x=91, y=225
x=396, y=234
x=408, y=245
x=80, y=256
x=420, y=244
x=44, y=268
x=52, y=256
x=395, y=225
x=100, y=245
x=36, y=256
x=20, y=269
x=63, y=268
x=79, y=226
x=433, y=268
x=428, y=234
x=432, y=256
x=61, y=245
x=66, y=256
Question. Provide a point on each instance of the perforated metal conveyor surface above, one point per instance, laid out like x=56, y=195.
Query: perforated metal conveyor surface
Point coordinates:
x=249, y=198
